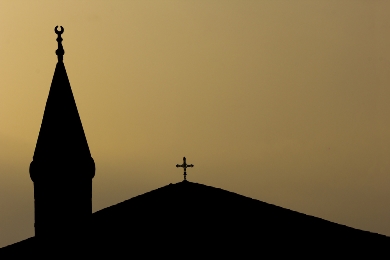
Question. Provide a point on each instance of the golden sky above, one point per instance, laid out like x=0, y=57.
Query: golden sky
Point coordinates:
x=282, y=101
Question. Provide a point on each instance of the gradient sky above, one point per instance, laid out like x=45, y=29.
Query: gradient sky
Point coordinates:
x=283, y=101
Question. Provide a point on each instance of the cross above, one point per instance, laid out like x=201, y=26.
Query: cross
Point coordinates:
x=185, y=166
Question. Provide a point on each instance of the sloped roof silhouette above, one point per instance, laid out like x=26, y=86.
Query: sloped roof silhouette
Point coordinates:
x=198, y=218
x=195, y=219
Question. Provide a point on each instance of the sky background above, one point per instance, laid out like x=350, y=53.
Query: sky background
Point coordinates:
x=286, y=102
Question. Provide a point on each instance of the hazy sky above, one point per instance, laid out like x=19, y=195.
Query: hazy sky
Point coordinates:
x=282, y=101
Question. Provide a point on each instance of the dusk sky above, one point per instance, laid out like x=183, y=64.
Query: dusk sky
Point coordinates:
x=286, y=101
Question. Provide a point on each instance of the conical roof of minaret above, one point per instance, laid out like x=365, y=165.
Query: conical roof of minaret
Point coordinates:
x=61, y=134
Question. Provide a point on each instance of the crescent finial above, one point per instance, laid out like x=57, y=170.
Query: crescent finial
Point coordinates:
x=58, y=32
x=60, y=51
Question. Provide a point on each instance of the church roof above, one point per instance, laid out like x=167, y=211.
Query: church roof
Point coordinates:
x=61, y=134
x=194, y=219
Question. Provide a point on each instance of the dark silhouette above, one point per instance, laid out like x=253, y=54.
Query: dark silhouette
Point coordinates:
x=185, y=166
x=62, y=168
x=181, y=220
x=190, y=219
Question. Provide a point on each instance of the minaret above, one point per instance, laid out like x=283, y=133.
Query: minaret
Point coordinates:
x=62, y=168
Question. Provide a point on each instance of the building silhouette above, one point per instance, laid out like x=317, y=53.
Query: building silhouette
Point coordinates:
x=181, y=220
x=62, y=168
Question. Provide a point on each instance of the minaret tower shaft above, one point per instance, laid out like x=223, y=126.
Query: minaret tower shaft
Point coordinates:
x=62, y=168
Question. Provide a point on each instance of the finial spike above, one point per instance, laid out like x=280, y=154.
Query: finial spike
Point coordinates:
x=60, y=51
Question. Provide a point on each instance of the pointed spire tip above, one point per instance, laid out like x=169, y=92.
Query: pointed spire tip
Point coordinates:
x=60, y=51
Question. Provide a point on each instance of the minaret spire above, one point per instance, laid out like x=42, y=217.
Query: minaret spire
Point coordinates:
x=61, y=134
x=62, y=168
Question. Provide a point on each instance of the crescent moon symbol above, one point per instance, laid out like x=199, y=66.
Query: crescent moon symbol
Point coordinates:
x=58, y=32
